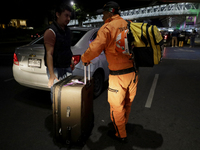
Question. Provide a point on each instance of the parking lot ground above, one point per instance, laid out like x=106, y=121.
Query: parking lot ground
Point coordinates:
x=170, y=123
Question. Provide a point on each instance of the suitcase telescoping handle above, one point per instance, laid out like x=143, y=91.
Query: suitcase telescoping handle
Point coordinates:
x=85, y=73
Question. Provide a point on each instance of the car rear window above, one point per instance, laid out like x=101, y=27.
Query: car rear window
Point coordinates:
x=41, y=41
x=76, y=36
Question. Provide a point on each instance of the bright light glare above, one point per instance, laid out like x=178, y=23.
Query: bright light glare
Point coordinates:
x=72, y=3
x=170, y=29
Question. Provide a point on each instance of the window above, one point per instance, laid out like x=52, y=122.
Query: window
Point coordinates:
x=41, y=41
x=76, y=36
x=93, y=37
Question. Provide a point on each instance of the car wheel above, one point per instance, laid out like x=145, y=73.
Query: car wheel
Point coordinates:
x=98, y=82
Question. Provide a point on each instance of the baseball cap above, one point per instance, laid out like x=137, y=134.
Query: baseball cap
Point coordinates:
x=111, y=7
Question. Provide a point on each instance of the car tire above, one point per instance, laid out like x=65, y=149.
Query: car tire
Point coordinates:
x=98, y=82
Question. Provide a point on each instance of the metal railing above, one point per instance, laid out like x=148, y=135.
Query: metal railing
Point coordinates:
x=162, y=10
x=150, y=12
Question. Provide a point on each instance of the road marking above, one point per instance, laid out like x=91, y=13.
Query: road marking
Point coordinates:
x=191, y=51
x=151, y=93
x=8, y=79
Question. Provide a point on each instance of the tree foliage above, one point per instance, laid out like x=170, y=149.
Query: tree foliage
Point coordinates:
x=81, y=13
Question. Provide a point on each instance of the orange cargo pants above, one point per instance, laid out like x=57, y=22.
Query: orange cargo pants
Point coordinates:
x=121, y=92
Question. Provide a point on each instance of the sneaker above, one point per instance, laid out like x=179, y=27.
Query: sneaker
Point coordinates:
x=176, y=46
x=172, y=46
x=112, y=135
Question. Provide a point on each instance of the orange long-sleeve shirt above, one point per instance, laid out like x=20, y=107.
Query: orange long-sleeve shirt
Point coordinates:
x=106, y=40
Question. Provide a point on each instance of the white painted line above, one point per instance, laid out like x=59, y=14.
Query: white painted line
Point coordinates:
x=8, y=79
x=151, y=93
x=184, y=50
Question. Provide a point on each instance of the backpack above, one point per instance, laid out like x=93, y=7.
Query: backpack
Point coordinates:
x=143, y=42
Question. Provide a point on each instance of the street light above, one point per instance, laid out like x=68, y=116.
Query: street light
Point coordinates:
x=72, y=3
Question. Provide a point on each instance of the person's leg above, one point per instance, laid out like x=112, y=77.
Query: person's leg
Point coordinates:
x=191, y=42
x=130, y=95
x=172, y=41
x=64, y=72
x=116, y=95
x=176, y=41
x=121, y=87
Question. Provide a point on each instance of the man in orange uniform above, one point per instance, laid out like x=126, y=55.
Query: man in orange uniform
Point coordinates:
x=122, y=78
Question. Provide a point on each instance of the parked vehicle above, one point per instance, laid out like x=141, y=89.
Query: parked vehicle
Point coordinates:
x=28, y=61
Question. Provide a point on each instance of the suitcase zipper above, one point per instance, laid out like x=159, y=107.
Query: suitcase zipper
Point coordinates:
x=113, y=90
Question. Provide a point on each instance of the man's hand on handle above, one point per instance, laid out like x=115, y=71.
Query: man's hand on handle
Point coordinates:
x=86, y=64
x=51, y=80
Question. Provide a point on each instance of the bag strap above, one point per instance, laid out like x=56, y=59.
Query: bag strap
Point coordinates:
x=148, y=37
x=142, y=36
x=154, y=38
x=129, y=35
x=131, y=38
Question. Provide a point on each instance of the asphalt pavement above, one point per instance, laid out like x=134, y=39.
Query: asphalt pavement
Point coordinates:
x=170, y=122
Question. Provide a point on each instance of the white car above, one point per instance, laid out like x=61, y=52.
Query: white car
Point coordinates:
x=28, y=61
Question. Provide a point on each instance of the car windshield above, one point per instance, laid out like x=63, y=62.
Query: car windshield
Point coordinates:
x=76, y=36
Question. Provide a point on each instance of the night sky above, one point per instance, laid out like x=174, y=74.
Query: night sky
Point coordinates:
x=34, y=10
x=25, y=8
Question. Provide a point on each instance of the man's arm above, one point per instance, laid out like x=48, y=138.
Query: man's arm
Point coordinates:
x=49, y=59
x=49, y=41
x=97, y=46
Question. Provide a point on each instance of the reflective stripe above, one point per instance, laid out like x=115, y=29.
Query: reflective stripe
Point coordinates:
x=115, y=125
x=113, y=90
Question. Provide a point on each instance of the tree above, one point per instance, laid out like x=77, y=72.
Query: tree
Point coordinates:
x=81, y=13
x=78, y=13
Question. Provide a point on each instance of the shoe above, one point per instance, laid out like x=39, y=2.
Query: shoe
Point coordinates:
x=172, y=46
x=176, y=46
x=112, y=135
